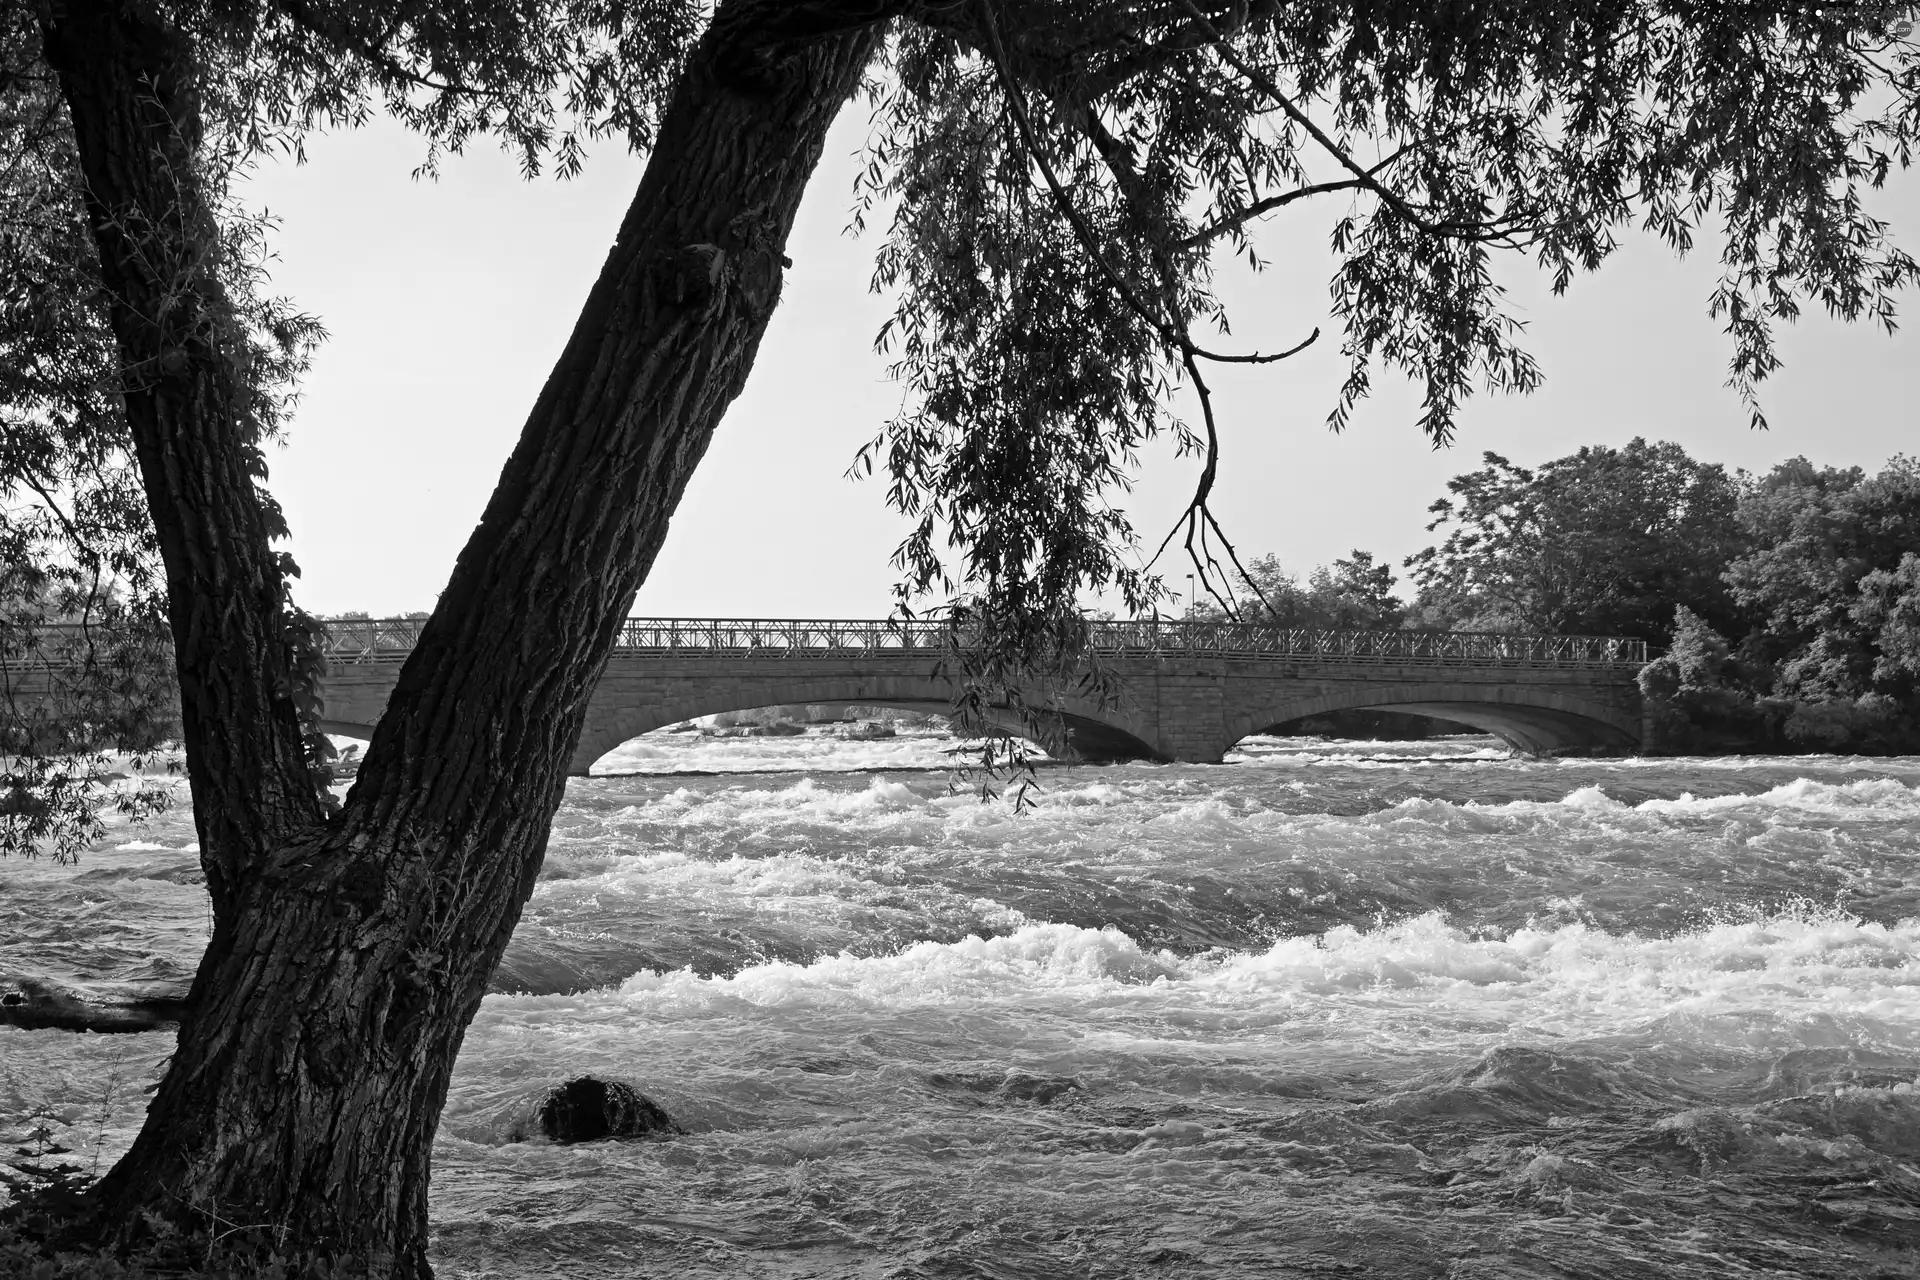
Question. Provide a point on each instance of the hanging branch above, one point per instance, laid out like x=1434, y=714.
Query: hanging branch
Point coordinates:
x=1496, y=230
x=1201, y=239
x=1268, y=204
x=373, y=51
x=1198, y=519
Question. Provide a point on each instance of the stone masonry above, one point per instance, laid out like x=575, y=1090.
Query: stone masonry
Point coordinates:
x=1190, y=707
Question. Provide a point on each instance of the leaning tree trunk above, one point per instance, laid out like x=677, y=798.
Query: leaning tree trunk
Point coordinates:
x=349, y=954
x=130, y=94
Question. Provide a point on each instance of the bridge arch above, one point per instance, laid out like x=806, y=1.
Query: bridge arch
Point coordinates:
x=615, y=716
x=1533, y=719
x=1189, y=690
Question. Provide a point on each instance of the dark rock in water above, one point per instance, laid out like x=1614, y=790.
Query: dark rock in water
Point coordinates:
x=34, y=1005
x=587, y=1109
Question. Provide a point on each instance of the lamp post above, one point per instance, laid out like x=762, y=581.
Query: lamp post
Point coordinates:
x=1189, y=597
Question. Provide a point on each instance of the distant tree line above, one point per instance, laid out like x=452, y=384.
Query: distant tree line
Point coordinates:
x=1785, y=607
x=83, y=677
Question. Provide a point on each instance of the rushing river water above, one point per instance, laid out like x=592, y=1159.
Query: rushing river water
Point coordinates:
x=1373, y=1010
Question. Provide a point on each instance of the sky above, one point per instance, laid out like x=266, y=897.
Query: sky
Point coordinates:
x=447, y=301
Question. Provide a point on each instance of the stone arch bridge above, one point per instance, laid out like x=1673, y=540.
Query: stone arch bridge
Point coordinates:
x=1190, y=690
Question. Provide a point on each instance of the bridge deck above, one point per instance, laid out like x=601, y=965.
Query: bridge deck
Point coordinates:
x=1189, y=689
x=392, y=639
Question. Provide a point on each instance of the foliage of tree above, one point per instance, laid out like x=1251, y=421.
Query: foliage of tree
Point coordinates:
x=1688, y=704
x=1889, y=607
x=82, y=629
x=1824, y=578
x=1352, y=594
x=82, y=676
x=1827, y=591
x=1809, y=569
x=1061, y=174
x=1602, y=542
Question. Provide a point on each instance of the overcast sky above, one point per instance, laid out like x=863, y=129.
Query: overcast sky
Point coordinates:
x=448, y=301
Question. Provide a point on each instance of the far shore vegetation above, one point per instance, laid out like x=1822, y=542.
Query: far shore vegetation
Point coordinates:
x=1784, y=608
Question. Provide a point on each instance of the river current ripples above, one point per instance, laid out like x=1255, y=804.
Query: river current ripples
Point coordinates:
x=1381, y=1010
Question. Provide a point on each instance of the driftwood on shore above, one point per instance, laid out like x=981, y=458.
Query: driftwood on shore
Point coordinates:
x=37, y=1005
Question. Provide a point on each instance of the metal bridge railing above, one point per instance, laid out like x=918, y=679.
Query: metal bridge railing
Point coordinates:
x=391, y=639
x=364, y=640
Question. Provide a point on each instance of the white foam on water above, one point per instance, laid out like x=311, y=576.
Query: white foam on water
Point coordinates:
x=839, y=850
x=1178, y=809
x=1303, y=752
x=948, y=969
x=1780, y=973
x=820, y=751
x=1594, y=798
x=1885, y=798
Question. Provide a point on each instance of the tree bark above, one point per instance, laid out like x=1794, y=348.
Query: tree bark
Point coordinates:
x=130, y=88
x=349, y=954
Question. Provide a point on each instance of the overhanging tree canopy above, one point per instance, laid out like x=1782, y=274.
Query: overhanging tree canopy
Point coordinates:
x=1063, y=176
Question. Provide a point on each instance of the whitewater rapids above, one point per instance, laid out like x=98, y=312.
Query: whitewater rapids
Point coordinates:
x=1383, y=1010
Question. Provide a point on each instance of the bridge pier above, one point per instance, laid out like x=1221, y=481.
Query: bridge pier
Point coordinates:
x=1190, y=713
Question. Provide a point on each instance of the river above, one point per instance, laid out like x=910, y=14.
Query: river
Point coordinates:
x=1361, y=1009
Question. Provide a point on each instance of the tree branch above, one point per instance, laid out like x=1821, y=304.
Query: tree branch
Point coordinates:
x=79, y=539
x=1255, y=358
x=1145, y=58
x=348, y=41
x=1088, y=240
x=1199, y=519
x=1362, y=177
x=1208, y=235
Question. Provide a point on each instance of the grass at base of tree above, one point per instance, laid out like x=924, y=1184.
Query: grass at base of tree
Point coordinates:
x=42, y=1227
